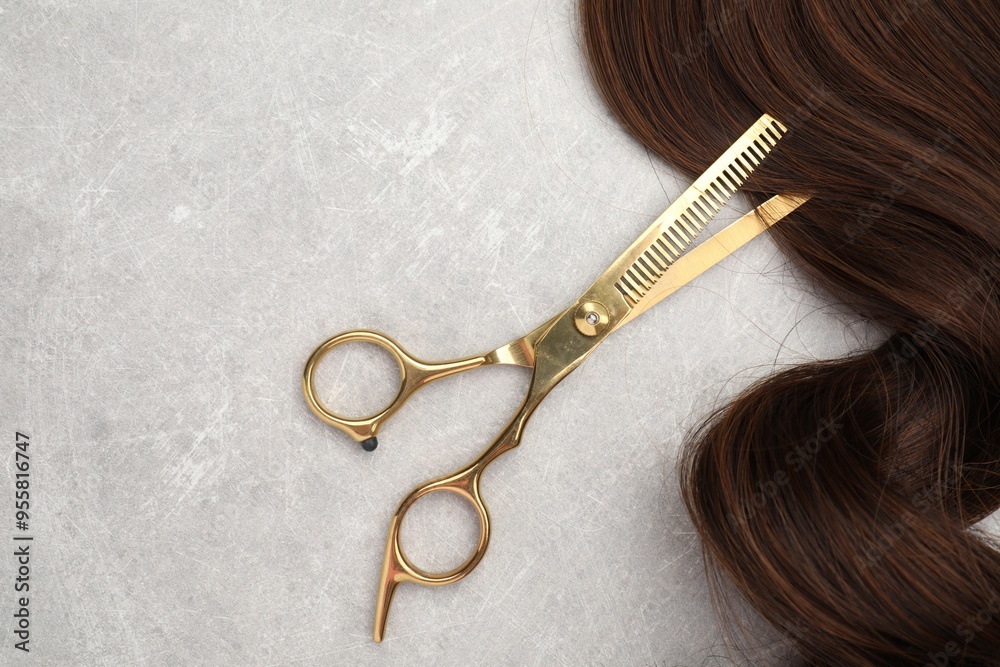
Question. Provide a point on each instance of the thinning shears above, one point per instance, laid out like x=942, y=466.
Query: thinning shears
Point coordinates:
x=656, y=265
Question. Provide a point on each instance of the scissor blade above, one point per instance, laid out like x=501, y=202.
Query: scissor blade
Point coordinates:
x=568, y=341
x=714, y=249
x=636, y=271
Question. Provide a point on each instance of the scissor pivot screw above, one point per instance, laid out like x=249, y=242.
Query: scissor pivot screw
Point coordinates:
x=591, y=318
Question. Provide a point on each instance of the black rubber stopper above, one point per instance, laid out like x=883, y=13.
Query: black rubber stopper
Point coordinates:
x=370, y=444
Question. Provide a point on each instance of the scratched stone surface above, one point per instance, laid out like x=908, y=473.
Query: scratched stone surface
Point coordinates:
x=196, y=193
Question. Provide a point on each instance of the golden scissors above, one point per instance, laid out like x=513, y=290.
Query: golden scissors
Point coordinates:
x=656, y=265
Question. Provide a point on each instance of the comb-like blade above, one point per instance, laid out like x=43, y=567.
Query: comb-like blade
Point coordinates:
x=715, y=249
x=669, y=236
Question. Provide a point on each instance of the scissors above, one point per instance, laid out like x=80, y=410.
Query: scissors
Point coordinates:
x=655, y=266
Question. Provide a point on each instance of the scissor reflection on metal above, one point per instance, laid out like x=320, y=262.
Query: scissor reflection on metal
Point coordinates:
x=656, y=265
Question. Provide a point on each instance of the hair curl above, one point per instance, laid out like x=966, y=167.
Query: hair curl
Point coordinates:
x=839, y=497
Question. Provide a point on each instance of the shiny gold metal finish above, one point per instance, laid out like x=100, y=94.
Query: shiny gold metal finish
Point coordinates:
x=642, y=265
x=715, y=248
x=413, y=374
x=656, y=265
x=591, y=319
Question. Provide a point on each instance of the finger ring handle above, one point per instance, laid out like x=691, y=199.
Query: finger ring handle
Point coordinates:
x=397, y=568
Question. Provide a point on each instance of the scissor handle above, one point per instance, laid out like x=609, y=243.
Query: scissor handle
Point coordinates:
x=397, y=568
x=413, y=373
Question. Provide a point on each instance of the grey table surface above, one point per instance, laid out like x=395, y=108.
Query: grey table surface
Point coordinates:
x=196, y=193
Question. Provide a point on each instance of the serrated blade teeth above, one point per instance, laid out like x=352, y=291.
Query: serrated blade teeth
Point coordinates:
x=675, y=230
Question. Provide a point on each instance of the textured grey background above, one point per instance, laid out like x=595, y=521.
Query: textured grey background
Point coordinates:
x=194, y=194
